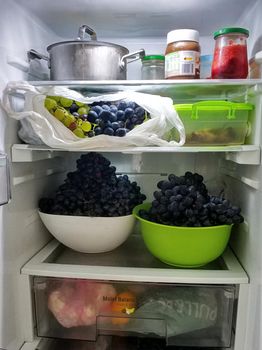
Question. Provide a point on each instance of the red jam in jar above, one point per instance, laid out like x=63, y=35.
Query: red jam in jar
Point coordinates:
x=230, y=55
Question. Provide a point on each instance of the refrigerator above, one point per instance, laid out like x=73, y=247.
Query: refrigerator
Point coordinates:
x=30, y=257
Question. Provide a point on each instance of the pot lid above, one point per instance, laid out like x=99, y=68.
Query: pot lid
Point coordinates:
x=87, y=43
x=83, y=30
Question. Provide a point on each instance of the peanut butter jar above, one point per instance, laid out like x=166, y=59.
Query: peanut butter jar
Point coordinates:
x=182, y=56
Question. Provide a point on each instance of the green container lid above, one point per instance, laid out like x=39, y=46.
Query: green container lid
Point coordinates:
x=194, y=109
x=153, y=57
x=231, y=30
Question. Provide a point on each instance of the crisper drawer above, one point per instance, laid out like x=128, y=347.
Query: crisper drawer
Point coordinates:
x=183, y=315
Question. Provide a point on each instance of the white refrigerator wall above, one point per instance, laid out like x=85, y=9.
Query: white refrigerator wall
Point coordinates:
x=21, y=233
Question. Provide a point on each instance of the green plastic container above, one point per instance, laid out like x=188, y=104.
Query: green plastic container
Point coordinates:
x=214, y=122
x=183, y=246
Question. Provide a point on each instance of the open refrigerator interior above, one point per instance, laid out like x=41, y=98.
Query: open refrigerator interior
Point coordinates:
x=33, y=264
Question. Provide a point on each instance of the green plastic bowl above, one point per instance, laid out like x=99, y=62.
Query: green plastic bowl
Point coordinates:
x=183, y=246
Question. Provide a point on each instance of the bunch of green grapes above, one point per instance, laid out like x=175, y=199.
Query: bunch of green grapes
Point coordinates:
x=71, y=113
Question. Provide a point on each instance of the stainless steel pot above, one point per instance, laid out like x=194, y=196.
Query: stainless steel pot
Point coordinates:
x=87, y=59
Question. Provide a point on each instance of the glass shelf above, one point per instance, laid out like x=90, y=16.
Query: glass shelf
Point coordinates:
x=180, y=89
x=242, y=154
x=130, y=262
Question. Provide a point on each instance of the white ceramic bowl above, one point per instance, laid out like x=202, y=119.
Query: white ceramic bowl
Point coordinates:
x=89, y=234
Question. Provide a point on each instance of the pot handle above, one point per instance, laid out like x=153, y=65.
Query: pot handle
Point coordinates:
x=32, y=54
x=135, y=55
x=85, y=29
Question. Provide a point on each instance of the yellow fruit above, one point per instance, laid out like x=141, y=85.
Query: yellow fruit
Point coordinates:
x=66, y=102
x=86, y=126
x=56, y=98
x=69, y=119
x=80, y=104
x=79, y=133
x=60, y=114
x=50, y=103
x=125, y=303
x=82, y=110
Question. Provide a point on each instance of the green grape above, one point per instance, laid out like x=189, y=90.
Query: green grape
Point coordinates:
x=79, y=133
x=60, y=113
x=66, y=102
x=86, y=126
x=83, y=110
x=50, y=103
x=56, y=98
x=80, y=104
x=69, y=119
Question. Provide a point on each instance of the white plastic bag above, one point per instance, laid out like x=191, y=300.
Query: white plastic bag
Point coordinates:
x=38, y=125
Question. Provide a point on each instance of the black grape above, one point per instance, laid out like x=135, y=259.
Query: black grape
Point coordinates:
x=122, y=115
x=94, y=189
x=92, y=116
x=120, y=132
x=184, y=201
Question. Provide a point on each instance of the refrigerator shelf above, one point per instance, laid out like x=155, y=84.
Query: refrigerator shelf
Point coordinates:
x=130, y=262
x=182, y=89
x=242, y=154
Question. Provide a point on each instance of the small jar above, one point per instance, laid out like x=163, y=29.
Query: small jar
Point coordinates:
x=255, y=66
x=205, y=66
x=153, y=67
x=182, y=57
x=230, y=54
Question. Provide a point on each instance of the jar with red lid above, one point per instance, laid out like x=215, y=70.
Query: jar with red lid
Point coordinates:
x=230, y=55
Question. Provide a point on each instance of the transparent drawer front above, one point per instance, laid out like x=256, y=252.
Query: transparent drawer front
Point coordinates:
x=110, y=343
x=183, y=315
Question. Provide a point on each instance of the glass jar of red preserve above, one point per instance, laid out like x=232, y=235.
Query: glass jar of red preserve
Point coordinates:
x=230, y=55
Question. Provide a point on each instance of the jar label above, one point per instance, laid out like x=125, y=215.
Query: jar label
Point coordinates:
x=182, y=63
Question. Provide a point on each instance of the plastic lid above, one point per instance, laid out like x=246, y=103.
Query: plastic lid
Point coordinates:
x=153, y=57
x=182, y=35
x=231, y=30
x=214, y=106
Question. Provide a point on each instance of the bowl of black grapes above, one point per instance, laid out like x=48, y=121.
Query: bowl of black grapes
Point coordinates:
x=184, y=225
x=91, y=212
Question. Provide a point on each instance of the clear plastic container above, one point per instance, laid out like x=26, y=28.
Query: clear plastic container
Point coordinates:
x=182, y=315
x=214, y=123
x=230, y=55
x=153, y=67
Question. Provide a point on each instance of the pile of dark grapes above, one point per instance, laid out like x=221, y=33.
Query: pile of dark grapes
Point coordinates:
x=116, y=119
x=113, y=119
x=184, y=201
x=94, y=189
